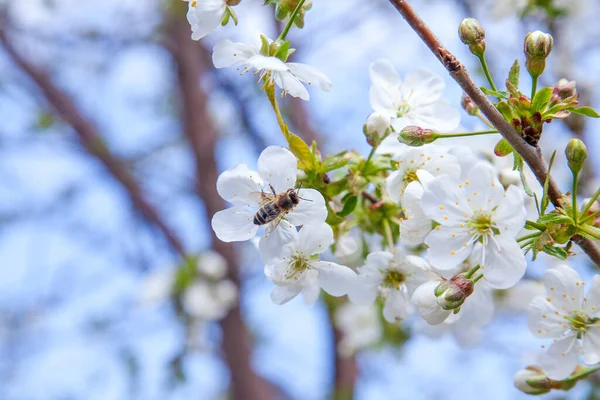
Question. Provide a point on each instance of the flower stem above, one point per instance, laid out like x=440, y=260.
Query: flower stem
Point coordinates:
x=487, y=72
x=368, y=161
x=574, y=195
x=472, y=271
x=484, y=120
x=270, y=89
x=389, y=238
x=534, y=81
x=463, y=134
x=530, y=236
x=288, y=26
x=591, y=202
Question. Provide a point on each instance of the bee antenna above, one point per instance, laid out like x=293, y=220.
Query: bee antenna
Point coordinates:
x=305, y=199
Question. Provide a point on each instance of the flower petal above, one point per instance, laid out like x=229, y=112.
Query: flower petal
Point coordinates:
x=290, y=85
x=363, y=291
x=314, y=239
x=422, y=87
x=236, y=185
x=282, y=294
x=448, y=246
x=438, y=116
x=205, y=17
x=505, y=263
x=561, y=359
x=592, y=302
x=545, y=320
x=278, y=167
x=429, y=309
x=445, y=201
x=227, y=53
x=335, y=279
x=310, y=75
x=484, y=191
x=396, y=306
x=591, y=345
x=310, y=209
x=511, y=214
x=270, y=246
x=565, y=287
x=234, y=224
x=383, y=73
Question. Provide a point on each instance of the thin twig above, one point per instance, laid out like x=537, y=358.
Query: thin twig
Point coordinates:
x=532, y=155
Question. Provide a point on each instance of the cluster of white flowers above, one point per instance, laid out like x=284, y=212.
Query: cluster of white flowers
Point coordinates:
x=208, y=297
x=459, y=217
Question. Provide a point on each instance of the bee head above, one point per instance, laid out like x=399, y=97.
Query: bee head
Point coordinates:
x=293, y=196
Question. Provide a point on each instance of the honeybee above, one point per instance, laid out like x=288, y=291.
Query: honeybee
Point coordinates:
x=273, y=207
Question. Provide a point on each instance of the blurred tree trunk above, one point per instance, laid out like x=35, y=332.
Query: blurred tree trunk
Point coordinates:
x=202, y=135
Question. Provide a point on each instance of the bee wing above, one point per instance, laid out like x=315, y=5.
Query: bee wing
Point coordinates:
x=273, y=224
x=262, y=198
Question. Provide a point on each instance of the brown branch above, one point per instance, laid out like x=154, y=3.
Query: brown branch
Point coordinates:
x=532, y=155
x=202, y=135
x=65, y=107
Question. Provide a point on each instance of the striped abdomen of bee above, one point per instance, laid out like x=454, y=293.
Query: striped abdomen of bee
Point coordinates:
x=267, y=213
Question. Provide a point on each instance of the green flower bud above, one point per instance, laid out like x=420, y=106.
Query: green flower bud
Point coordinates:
x=469, y=105
x=576, y=153
x=452, y=293
x=376, y=128
x=537, y=47
x=503, y=148
x=472, y=34
x=416, y=136
x=532, y=380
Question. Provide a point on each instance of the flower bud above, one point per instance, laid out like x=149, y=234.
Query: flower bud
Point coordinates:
x=376, y=128
x=472, y=34
x=451, y=294
x=469, y=105
x=537, y=47
x=563, y=89
x=416, y=136
x=503, y=148
x=532, y=380
x=576, y=153
x=233, y=2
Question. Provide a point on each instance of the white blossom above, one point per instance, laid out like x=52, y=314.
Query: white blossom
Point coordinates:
x=242, y=187
x=569, y=318
x=349, y=249
x=289, y=76
x=157, y=286
x=393, y=276
x=297, y=267
x=415, y=226
x=360, y=326
x=478, y=217
x=212, y=265
x=209, y=300
x=416, y=101
x=430, y=158
x=205, y=16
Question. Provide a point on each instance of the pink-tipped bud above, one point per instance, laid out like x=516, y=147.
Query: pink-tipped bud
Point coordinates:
x=416, y=136
x=452, y=293
x=472, y=34
x=469, y=105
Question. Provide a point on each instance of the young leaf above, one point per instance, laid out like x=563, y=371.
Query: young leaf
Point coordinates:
x=587, y=111
x=490, y=92
x=513, y=74
x=301, y=150
x=555, y=251
x=545, y=198
x=519, y=165
x=349, y=206
x=541, y=99
x=334, y=162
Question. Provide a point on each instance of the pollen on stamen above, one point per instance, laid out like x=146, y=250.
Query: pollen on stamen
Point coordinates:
x=549, y=299
x=445, y=217
x=454, y=235
x=467, y=183
x=453, y=252
x=544, y=316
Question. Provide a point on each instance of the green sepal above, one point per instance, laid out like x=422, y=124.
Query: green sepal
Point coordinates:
x=513, y=74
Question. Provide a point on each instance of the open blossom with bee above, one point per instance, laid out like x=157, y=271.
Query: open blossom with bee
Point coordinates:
x=263, y=198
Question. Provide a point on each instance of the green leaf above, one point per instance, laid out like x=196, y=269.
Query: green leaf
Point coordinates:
x=519, y=165
x=334, y=188
x=503, y=148
x=334, y=162
x=589, y=232
x=349, y=206
x=513, y=74
x=555, y=218
x=512, y=89
x=587, y=111
x=505, y=109
x=301, y=150
x=332, y=218
x=545, y=199
x=494, y=93
x=541, y=99
x=557, y=252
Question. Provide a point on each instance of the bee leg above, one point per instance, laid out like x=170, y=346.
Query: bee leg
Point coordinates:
x=273, y=190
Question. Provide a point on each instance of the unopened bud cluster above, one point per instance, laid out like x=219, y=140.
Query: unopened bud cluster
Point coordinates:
x=285, y=8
